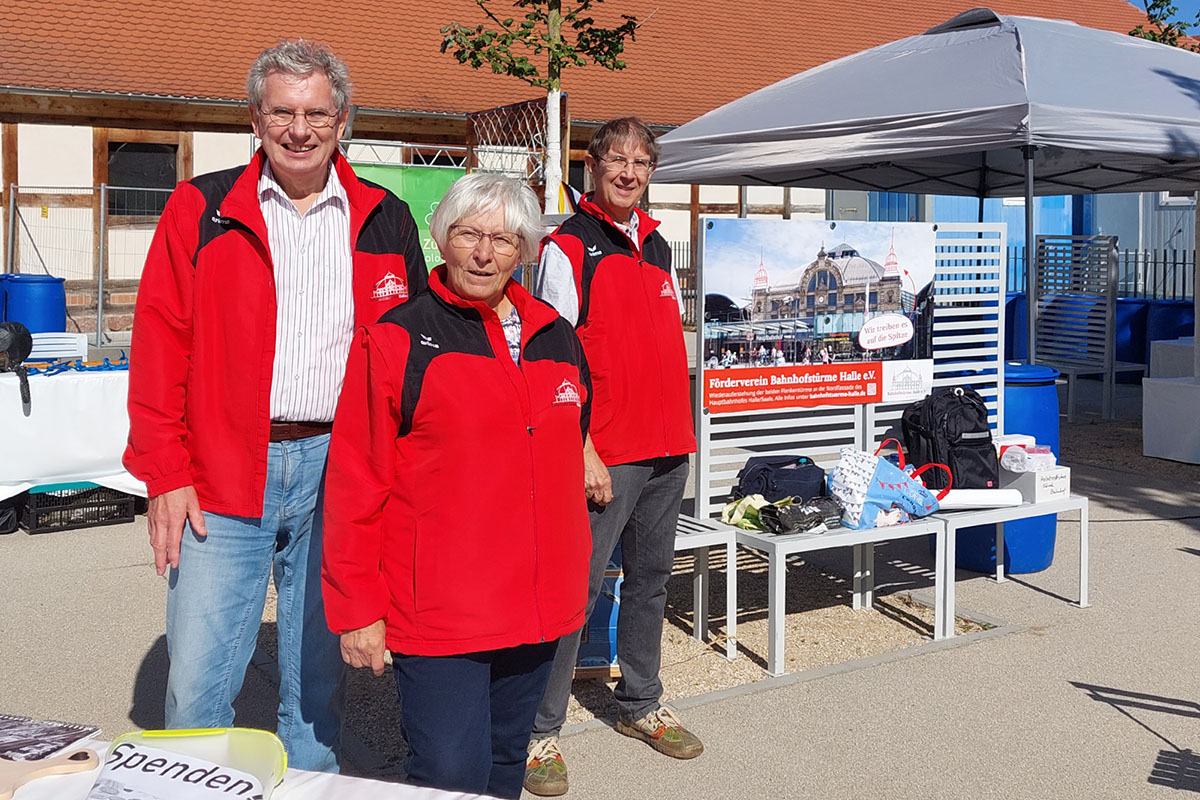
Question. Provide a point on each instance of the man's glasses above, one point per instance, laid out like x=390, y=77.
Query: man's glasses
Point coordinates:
x=641, y=166
x=283, y=117
x=505, y=244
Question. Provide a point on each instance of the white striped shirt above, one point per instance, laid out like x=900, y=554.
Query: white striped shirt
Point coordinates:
x=314, y=320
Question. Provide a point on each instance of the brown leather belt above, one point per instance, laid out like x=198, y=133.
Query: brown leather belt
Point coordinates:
x=288, y=431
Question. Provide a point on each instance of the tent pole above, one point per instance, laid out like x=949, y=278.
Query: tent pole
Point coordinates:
x=1196, y=300
x=1031, y=312
x=983, y=168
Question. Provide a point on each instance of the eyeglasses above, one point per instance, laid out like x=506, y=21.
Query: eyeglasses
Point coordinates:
x=641, y=166
x=505, y=244
x=283, y=117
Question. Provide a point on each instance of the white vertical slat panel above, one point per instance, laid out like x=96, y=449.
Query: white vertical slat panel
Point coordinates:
x=968, y=322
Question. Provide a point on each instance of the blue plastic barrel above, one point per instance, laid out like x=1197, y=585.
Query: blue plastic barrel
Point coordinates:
x=39, y=302
x=3, y=284
x=1030, y=407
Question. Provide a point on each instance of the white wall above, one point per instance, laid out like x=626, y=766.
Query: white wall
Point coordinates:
x=217, y=151
x=54, y=155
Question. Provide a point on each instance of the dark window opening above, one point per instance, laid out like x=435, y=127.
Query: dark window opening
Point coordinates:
x=136, y=169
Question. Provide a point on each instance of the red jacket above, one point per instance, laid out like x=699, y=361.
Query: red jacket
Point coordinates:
x=630, y=329
x=204, y=330
x=454, y=503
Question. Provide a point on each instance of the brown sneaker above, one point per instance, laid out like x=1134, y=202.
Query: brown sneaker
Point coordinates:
x=663, y=731
x=545, y=771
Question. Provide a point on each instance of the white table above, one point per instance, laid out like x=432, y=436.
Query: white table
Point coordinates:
x=698, y=535
x=74, y=429
x=297, y=785
x=955, y=520
x=778, y=548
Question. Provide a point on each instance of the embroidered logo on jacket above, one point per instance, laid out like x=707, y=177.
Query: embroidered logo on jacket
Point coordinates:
x=390, y=286
x=593, y=251
x=667, y=290
x=566, y=394
x=429, y=342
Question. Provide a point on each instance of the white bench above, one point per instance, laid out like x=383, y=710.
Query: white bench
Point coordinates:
x=778, y=548
x=955, y=520
x=698, y=536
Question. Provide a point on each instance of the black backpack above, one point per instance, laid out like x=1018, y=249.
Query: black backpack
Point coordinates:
x=951, y=427
x=777, y=477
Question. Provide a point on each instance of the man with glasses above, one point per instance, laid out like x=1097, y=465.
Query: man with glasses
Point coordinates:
x=253, y=286
x=608, y=271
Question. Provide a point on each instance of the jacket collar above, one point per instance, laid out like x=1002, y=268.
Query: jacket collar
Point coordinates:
x=646, y=223
x=532, y=311
x=242, y=201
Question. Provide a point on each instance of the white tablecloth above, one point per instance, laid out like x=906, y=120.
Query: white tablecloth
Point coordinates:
x=297, y=785
x=74, y=429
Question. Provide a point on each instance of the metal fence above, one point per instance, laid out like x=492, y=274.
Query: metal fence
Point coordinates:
x=94, y=237
x=1146, y=274
x=685, y=279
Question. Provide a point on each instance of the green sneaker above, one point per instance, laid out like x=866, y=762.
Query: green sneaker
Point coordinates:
x=663, y=731
x=545, y=771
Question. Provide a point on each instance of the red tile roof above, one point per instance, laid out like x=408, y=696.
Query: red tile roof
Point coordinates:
x=689, y=57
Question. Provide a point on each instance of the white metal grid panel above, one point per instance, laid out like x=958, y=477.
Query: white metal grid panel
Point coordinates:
x=968, y=322
x=727, y=440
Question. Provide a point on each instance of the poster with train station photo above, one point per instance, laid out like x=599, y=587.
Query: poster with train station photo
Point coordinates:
x=810, y=312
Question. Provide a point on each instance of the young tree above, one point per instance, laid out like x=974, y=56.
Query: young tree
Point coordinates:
x=1164, y=25
x=546, y=33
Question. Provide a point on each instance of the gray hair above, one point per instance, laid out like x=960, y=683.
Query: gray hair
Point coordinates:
x=483, y=192
x=300, y=57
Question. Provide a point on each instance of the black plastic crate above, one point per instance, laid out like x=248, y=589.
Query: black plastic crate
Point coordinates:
x=66, y=509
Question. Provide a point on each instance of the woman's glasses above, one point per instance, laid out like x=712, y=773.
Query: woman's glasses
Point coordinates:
x=505, y=244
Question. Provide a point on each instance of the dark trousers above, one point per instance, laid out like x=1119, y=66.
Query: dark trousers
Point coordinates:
x=466, y=719
x=642, y=516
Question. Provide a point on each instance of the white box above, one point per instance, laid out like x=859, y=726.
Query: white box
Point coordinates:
x=1040, y=486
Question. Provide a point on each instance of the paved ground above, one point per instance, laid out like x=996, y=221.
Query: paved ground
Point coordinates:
x=1056, y=702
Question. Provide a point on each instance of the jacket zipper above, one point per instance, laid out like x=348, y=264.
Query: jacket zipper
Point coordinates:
x=527, y=410
x=662, y=400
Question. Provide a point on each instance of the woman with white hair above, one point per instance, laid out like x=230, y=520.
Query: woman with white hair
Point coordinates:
x=456, y=531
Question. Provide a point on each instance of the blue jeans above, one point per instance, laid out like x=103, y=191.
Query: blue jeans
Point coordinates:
x=466, y=719
x=215, y=603
x=642, y=517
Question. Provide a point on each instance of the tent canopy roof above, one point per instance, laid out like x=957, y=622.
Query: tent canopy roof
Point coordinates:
x=949, y=112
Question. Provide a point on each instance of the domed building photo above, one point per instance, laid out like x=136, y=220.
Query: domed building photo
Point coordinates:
x=806, y=301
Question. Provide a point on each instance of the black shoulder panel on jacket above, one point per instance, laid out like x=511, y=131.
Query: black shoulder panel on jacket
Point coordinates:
x=389, y=222
x=434, y=328
x=657, y=251
x=390, y=228
x=214, y=187
x=555, y=342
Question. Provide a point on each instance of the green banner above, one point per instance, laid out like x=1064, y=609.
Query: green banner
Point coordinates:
x=422, y=188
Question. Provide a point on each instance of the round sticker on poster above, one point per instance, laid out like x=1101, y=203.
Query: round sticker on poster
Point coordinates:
x=885, y=330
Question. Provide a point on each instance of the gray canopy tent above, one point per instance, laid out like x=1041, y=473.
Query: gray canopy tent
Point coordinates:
x=982, y=105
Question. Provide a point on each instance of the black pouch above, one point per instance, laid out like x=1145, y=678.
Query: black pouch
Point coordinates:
x=789, y=518
x=777, y=477
x=10, y=512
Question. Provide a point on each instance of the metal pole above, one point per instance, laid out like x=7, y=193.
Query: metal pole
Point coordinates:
x=100, y=265
x=1030, y=255
x=1196, y=299
x=9, y=266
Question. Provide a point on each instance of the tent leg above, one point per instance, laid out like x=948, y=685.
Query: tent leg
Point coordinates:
x=1030, y=256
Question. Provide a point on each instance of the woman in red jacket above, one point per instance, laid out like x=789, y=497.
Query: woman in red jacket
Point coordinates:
x=456, y=532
